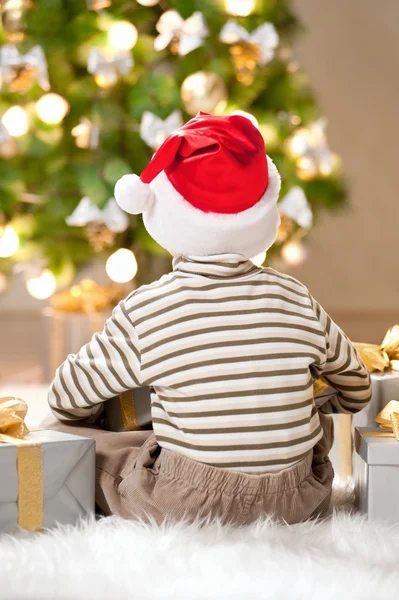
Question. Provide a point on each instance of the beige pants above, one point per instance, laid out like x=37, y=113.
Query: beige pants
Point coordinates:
x=138, y=480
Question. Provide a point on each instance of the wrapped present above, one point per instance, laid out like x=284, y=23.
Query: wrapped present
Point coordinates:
x=383, y=363
x=129, y=411
x=376, y=467
x=73, y=317
x=47, y=477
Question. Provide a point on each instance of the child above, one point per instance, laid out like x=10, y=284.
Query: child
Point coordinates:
x=230, y=349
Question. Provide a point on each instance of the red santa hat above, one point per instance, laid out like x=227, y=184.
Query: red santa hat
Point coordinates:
x=209, y=189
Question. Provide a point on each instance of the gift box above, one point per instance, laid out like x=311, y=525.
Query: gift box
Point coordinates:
x=74, y=316
x=129, y=411
x=382, y=361
x=65, y=333
x=47, y=478
x=376, y=473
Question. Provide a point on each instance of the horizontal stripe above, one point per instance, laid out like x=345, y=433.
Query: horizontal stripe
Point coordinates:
x=238, y=376
x=244, y=411
x=226, y=361
x=230, y=344
x=222, y=315
x=220, y=286
x=226, y=430
x=239, y=447
x=240, y=393
x=212, y=301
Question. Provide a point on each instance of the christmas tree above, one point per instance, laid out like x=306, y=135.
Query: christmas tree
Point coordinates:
x=91, y=88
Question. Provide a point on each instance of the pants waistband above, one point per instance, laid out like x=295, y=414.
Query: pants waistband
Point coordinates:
x=201, y=475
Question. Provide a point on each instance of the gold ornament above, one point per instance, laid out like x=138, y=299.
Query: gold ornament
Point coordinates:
x=98, y=4
x=87, y=297
x=246, y=57
x=99, y=236
x=12, y=18
x=204, y=91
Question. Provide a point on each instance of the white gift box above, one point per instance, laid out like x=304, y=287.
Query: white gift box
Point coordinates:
x=376, y=472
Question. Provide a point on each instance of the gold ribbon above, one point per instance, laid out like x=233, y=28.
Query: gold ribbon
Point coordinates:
x=29, y=462
x=387, y=419
x=319, y=386
x=128, y=412
x=382, y=357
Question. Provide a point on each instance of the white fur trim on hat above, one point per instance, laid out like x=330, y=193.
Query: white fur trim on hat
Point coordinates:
x=185, y=230
x=132, y=195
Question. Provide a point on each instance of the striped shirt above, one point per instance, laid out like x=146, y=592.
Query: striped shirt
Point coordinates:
x=231, y=351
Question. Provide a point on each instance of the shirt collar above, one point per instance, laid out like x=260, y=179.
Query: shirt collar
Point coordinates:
x=216, y=266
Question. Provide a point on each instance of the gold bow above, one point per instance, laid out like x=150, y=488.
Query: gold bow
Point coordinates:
x=87, y=297
x=12, y=417
x=388, y=418
x=29, y=462
x=382, y=357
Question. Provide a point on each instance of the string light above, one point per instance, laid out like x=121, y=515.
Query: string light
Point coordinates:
x=148, y=2
x=240, y=8
x=259, y=259
x=43, y=286
x=306, y=168
x=269, y=134
x=299, y=142
x=9, y=242
x=52, y=108
x=122, y=35
x=294, y=253
x=121, y=266
x=15, y=120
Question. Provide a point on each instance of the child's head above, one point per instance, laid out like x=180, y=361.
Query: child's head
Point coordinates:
x=209, y=189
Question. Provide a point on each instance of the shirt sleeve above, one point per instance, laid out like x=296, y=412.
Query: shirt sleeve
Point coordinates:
x=343, y=369
x=108, y=365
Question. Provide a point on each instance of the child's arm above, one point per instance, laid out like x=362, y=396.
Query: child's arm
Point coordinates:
x=342, y=367
x=107, y=365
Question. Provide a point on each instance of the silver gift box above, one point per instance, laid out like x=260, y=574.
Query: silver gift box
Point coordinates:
x=65, y=333
x=129, y=411
x=68, y=479
x=376, y=473
x=385, y=387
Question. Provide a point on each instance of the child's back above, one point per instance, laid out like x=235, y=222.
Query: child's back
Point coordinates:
x=231, y=350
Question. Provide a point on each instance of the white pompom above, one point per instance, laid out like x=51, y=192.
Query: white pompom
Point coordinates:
x=132, y=195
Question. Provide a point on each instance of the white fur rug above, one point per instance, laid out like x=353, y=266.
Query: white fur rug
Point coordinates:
x=344, y=558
